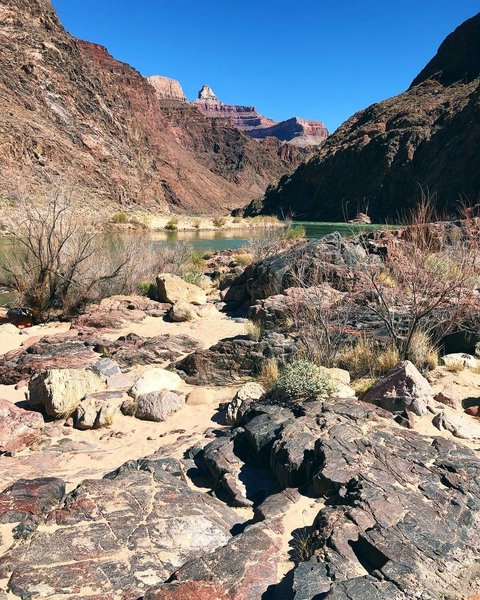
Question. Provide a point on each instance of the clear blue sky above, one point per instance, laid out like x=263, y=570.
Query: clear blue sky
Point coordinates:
x=317, y=59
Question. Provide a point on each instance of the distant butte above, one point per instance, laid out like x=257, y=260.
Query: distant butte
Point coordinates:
x=298, y=132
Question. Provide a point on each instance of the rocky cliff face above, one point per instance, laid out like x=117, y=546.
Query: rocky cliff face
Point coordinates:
x=70, y=111
x=295, y=131
x=166, y=88
x=428, y=137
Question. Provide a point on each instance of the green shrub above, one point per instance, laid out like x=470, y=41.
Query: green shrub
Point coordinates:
x=172, y=224
x=295, y=232
x=304, y=379
x=119, y=217
x=147, y=289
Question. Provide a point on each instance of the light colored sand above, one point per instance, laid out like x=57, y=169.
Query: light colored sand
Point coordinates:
x=11, y=339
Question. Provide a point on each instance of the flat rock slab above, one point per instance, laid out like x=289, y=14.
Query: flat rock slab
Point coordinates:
x=30, y=498
x=71, y=350
x=19, y=428
x=118, y=536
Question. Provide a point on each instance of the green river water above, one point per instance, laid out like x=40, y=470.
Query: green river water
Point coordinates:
x=211, y=241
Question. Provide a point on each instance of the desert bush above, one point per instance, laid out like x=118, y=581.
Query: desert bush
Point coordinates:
x=436, y=276
x=269, y=235
x=119, y=217
x=54, y=264
x=455, y=367
x=197, y=223
x=362, y=385
x=172, y=224
x=219, y=221
x=304, y=379
x=237, y=220
x=423, y=353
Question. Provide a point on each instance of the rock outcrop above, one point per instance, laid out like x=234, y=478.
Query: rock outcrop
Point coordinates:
x=70, y=111
x=166, y=88
x=379, y=157
x=295, y=131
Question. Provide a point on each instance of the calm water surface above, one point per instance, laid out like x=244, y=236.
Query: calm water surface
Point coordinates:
x=212, y=241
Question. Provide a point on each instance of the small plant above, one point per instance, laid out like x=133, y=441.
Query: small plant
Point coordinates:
x=119, y=217
x=269, y=374
x=455, y=367
x=172, y=224
x=422, y=352
x=361, y=386
x=147, y=289
x=364, y=359
x=304, y=543
x=219, y=221
x=197, y=223
x=237, y=219
x=244, y=259
x=295, y=232
x=304, y=379
x=254, y=330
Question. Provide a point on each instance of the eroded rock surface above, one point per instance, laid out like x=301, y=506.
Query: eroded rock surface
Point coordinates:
x=118, y=536
x=18, y=428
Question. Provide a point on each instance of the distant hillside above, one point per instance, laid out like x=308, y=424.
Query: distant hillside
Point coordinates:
x=295, y=131
x=428, y=137
x=70, y=111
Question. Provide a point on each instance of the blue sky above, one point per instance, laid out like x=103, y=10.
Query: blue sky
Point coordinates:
x=317, y=59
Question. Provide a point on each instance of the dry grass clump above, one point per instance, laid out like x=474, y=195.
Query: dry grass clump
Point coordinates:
x=455, y=367
x=172, y=224
x=119, y=217
x=365, y=359
x=244, y=259
x=269, y=374
x=219, y=221
x=304, y=543
x=361, y=386
x=254, y=330
x=422, y=352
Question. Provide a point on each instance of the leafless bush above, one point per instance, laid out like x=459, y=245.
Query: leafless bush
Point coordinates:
x=56, y=263
x=269, y=237
x=428, y=284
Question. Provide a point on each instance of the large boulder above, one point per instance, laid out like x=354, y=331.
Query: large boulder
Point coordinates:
x=59, y=391
x=155, y=379
x=119, y=536
x=404, y=387
x=19, y=428
x=172, y=288
x=157, y=406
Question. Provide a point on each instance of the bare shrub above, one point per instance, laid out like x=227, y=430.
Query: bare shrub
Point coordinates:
x=268, y=237
x=219, y=221
x=435, y=269
x=56, y=263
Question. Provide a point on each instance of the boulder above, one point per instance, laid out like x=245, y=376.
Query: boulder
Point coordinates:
x=59, y=391
x=459, y=425
x=118, y=536
x=248, y=393
x=157, y=406
x=171, y=288
x=182, y=311
x=404, y=387
x=460, y=359
x=201, y=396
x=456, y=395
x=98, y=409
x=19, y=428
x=132, y=349
x=71, y=350
x=206, y=311
x=30, y=498
x=155, y=379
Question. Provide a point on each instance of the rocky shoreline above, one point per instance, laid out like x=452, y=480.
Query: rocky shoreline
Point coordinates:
x=144, y=456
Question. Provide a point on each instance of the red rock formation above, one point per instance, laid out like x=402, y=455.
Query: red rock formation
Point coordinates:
x=298, y=132
x=70, y=111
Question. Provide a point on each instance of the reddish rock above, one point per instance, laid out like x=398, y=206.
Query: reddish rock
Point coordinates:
x=474, y=411
x=19, y=428
x=295, y=131
x=188, y=590
x=30, y=498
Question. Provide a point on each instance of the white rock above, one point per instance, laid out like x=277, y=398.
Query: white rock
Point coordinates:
x=59, y=391
x=171, y=288
x=459, y=358
x=154, y=380
x=182, y=311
